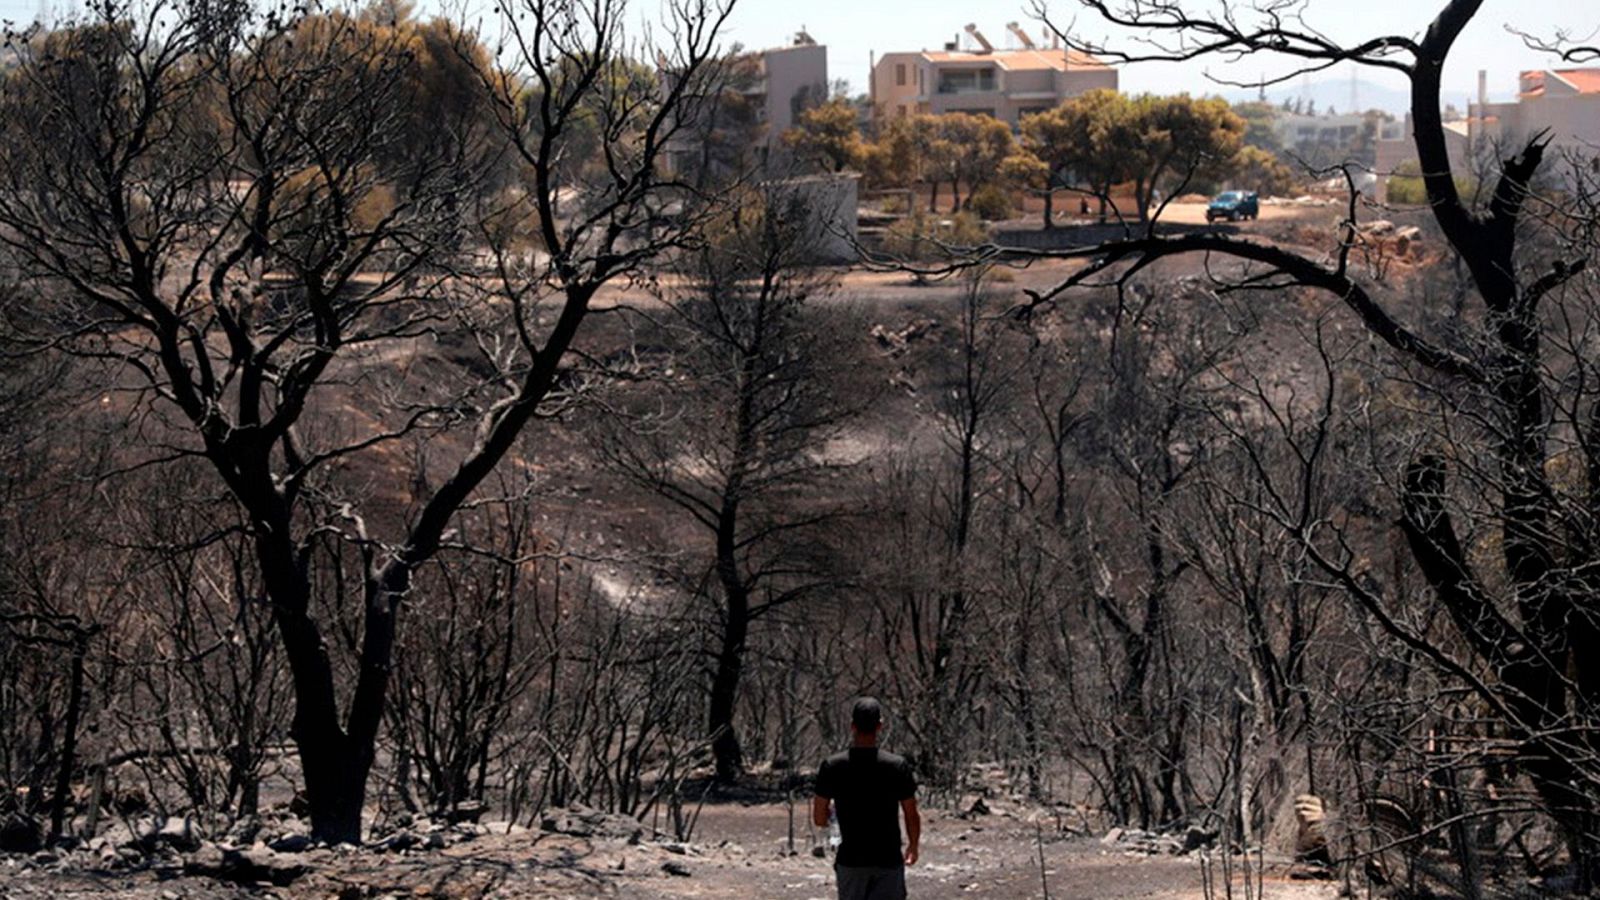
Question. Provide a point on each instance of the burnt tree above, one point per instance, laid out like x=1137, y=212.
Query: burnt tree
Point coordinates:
x=217, y=200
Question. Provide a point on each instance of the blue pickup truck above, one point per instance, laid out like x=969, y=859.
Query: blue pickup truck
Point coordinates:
x=1233, y=206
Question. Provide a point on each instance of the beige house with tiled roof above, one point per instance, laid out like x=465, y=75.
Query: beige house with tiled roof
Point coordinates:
x=1565, y=103
x=1005, y=84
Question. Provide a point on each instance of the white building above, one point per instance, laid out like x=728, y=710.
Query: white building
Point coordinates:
x=775, y=87
x=1298, y=130
x=791, y=80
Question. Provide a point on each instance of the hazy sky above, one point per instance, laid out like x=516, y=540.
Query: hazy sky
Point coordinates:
x=853, y=28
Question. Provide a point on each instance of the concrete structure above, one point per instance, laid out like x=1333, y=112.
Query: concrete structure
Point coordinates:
x=776, y=85
x=1297, y=131
x=829, y=203
x=1563, y=102
x=788, y=81
x=1005, y=84
x=1399, y=150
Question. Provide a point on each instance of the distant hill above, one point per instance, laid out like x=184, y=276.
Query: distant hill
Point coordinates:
x=1334, y=93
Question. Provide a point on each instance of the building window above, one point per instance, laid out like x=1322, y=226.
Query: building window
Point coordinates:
x=902, y=109
x=900, y=74
x=966, y=81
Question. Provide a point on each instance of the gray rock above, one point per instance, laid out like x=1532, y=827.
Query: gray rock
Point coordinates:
x=120, y=835
x=176, y=832
x=244, y=831
x=246, y=867
x=292, y=843
x=466, y=811
x=673, y=867
x=582, y=821
x=405, y=840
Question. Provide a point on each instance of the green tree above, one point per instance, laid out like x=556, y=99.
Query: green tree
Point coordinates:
x=1255, y=169
x=1027, y=171
x=828, y=136
x=974, y=148
x=912, y=150
x=1177, y=140
x=1258, y=117
x=1082, y=142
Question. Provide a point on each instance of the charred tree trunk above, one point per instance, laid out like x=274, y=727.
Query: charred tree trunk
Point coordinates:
x=336, y=758
x=69, y=736
x=726, y=749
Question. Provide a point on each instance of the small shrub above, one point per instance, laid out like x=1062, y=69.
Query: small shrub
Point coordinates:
x=924, y=237
x=991, y=202
x=1406, y=187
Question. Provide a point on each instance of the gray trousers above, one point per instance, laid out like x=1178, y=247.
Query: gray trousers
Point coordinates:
x=871, y=882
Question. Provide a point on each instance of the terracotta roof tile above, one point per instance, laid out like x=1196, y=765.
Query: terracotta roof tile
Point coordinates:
x=1021, y=60
x=1587, y=81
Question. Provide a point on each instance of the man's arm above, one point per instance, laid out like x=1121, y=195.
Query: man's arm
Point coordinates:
x=908, y=807
x=819, y=811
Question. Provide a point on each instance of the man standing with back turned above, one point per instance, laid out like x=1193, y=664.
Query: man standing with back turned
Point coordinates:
x=869, y=788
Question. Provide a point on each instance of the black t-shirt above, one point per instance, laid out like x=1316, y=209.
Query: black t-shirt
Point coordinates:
x=866, y=786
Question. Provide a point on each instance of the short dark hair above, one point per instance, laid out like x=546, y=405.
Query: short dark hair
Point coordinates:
x=866, y=714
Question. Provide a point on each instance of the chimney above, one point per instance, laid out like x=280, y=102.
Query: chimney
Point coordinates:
x=872, y=83
x=1478, y=120
x=1014, y=28
x=977, y=35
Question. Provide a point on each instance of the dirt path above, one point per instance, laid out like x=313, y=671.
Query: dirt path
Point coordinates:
x=993, y=856
x=1195, y=214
